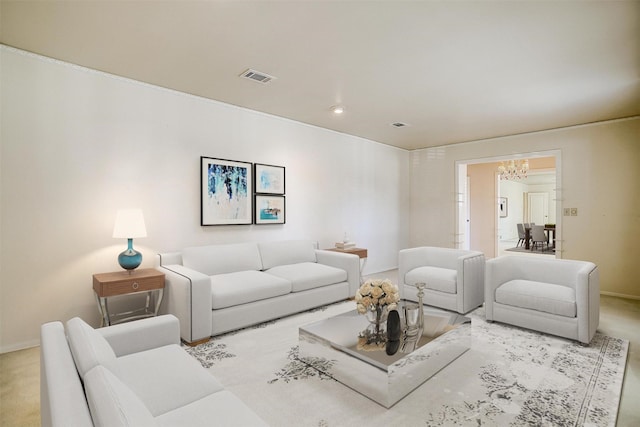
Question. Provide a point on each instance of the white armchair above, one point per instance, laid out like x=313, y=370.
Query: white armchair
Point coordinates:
x=554, y=296
x=454, y=278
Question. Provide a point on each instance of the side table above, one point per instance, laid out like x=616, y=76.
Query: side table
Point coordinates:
x=118, y=283
x=361, y=252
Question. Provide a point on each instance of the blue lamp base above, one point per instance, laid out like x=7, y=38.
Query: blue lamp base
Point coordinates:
x=130, y=259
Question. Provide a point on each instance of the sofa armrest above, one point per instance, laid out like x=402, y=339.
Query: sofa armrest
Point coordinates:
x=347, y=262
x=471, y=276
x=588, y=301
x=62, y=399
x=145, y=334
x=187, y=296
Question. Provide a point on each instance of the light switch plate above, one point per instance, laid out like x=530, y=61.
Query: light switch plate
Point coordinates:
x=574, y=211
x=567, y=211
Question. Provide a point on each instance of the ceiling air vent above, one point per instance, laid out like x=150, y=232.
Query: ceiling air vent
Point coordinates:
x=399, y=124
x=257, y=76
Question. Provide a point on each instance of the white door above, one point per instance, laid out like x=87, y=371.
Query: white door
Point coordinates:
x=538, y=208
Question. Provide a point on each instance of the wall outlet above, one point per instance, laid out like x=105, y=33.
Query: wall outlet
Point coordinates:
x=567, y=211
x=574, y=211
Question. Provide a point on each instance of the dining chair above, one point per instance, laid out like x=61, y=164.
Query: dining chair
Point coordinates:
x=538, y=236
x=521, y=234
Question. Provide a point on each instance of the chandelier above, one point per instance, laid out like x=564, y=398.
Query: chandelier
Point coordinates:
x=514, y=169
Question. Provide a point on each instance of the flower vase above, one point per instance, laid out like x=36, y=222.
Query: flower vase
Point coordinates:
x=377, y=316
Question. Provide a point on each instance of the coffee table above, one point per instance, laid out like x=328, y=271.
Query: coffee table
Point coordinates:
x=368, y=369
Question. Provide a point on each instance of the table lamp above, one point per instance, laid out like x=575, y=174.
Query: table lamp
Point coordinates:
x=129, y=225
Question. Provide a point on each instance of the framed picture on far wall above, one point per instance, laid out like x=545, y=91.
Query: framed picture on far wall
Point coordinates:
x=269, y=179
x=226, y=188
x=270, y=209
x=503, y=207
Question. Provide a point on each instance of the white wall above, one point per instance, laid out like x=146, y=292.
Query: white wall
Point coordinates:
x=78, y=144
x=600, y=171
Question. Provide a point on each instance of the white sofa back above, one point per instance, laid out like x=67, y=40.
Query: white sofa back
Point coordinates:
x=232, y=257
x=287, y=252
x=222, y=259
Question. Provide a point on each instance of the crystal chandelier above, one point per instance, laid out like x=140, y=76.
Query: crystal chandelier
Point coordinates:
x=514, y=169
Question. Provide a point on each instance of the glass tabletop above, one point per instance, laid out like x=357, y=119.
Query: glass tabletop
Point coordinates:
x=346, y=332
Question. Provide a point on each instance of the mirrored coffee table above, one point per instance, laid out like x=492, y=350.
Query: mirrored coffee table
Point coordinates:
x=376, y=370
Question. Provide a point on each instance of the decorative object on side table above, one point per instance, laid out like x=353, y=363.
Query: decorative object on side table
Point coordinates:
x=375, y=298
x=129, y=225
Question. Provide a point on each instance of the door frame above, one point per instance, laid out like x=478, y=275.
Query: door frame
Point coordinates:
x=461, y=204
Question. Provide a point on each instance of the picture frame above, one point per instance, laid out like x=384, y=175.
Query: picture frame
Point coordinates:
x=270, y=209
x=226, y=189
x=503, y=207
x=269, y=179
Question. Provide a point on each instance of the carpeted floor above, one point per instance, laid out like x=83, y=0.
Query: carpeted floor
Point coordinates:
x=509, y=376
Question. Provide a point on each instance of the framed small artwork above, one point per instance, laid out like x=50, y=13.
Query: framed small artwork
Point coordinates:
x=269, y=179
x=226, y=192
x=270, y=209
x=503, y=207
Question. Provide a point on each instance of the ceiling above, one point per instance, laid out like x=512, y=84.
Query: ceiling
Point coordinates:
x=453, y=71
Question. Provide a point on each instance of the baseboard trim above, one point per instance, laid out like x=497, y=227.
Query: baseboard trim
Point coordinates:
x=615, y=294
x=20, y=346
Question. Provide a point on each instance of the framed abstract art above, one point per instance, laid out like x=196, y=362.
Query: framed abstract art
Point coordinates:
x=226, y=192
x=269, y=179
x=270, y=209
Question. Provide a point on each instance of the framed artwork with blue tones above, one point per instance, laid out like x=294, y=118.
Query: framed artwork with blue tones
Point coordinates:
x=269, y=179
x=270, y=209
x=226, y=192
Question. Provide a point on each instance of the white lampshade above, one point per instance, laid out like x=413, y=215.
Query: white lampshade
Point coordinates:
x=129, y=224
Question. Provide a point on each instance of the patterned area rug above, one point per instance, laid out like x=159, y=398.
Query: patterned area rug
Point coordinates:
x=510, y=376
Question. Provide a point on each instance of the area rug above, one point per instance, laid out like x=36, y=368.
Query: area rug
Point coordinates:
x=510, y=376
x=545, y=251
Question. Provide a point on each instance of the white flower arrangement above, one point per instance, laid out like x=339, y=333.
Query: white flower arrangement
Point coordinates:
x=374, y=293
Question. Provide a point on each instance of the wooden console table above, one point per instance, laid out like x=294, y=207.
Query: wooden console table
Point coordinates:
x=107, y=285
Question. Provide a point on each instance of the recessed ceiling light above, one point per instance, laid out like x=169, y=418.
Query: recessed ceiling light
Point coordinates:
x=337, y=109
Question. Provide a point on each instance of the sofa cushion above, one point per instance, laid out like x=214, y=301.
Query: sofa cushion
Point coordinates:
x=89, y=347
x=242, y=287
x=539, y=296
x=221, y=259
x=308, y=275
x=286, y=252
x=435, y=278
x=221, y=409
x=166, y=378
x=112, y=403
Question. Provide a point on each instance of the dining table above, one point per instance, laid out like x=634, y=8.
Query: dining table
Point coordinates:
x=551, y=233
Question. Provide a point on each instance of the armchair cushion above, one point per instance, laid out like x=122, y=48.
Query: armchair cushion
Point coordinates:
x=308, y=275
x=89, y=348
x=243, y=287
x=112, y=403
x=436, y=278
x=539, y=296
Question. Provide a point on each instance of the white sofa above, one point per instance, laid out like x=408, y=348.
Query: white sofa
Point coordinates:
x=454, y=278
x=132, y=374
x=219, y=288
x=554, y=296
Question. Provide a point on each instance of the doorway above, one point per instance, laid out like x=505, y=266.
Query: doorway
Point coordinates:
x=478, y=186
